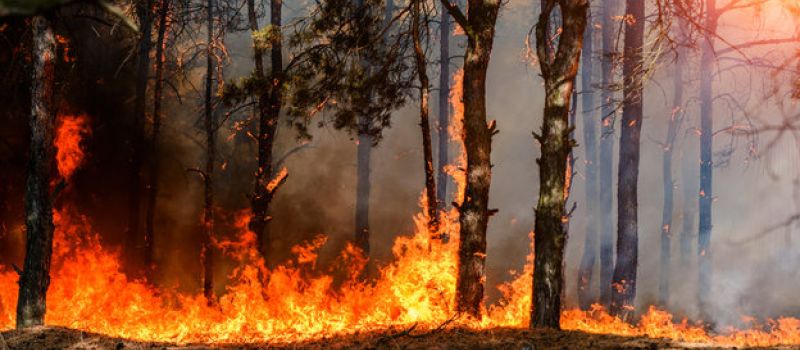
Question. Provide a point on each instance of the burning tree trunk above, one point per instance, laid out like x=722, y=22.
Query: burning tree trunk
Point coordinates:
x=586, y=295
x=669, y=185
x=35, y=277
x=559, y=66
x=269, y=108
x=207, y=252
x=624, y=282
x=473, y=210
x=152, y=193
x=144, y=12
x=706, y=162
x=606, y=163
x=424, y=123
x=444, y=107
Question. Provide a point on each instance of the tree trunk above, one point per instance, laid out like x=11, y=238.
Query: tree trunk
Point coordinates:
x=35, y=277
x=669, y=184
x=269, y=108
x=364, y=148
x=586, y=295
x=689, y=171
x=477, y=136
x=706, y=161
x=624, y=283
x=207, y=252
x=152, y=193
x=133, y=240
x=444, y=107
x=559, y=69
x=606, y=163
x=424, y=123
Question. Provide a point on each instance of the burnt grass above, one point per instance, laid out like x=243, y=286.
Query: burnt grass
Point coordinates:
x=42, y=338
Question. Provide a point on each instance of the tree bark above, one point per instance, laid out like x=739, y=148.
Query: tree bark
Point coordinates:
x=269, y=107
x=706, y=161
x=35, y=277
x=144, y=10
x=477, y=135
x=624, y=282
x=207, y=251
x=424, y=123
x=152, y=193
x=606, y=163
x=559, y=67
x=586, y=295
x=444, y=108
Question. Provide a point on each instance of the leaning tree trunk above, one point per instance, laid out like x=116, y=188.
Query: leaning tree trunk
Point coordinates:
x=35, y=277
x=207, y=252
x=152, y=193
x=669, y=184
x=624, y=282
x=444, y=107
x=477, y=136
x=133, y=247
x=269, y=108
x=606, y=163
x=586, y=295
x=424, y=123
x=706, y=161
x=559, y=69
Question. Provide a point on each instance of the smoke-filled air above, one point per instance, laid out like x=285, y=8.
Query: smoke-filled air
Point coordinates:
x=384, y=174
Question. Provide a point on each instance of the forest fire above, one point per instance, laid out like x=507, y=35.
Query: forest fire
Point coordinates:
x=296, y=301
x=173, y=236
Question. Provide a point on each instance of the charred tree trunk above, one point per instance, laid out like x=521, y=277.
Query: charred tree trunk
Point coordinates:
x=424, y=123
x=269, y=108
x=152, y=183
x=144, y=10
x=706, y=161
x=209, y=122
x=586, y=295
x=606, y=163
x=624, y=283
x=474, y=209
x=35, y=277
x=444, y=107
x=669, y=184
x=559, y=66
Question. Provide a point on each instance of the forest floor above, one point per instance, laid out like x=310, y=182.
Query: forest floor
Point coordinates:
x=518, y=339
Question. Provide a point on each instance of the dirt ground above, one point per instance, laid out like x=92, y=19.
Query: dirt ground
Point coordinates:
x=61, y=338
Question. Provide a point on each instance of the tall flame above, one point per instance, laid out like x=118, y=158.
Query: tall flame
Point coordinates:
x=70, y=132
x=296, y=301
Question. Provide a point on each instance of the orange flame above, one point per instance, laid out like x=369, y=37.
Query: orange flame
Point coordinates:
x=70, y=132
x=295, y=301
